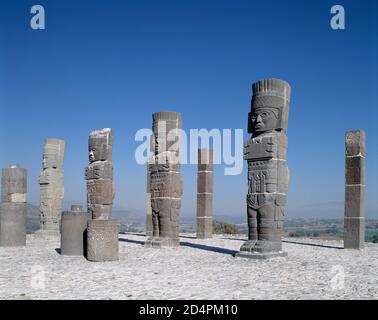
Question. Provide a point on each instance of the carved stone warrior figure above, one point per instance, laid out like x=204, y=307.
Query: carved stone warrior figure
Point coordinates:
x=165, y=180
x=52, y=185
x=99, y=174
x=268, y=174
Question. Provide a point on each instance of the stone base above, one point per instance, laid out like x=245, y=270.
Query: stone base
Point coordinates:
x=162, y=243
x=47, y=233
x=13, y=224
x=260, y=256
x=74, y=233
x=102, y=240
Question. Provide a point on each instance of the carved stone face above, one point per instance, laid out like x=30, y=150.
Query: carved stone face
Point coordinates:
x=99, y=149
x=264, y=119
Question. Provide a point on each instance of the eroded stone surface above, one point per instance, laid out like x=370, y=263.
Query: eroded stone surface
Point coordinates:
x=165, y=180
x=354, y=212
x=268, y=173
x=51, y=181
x=205, y=176
x=13, y=206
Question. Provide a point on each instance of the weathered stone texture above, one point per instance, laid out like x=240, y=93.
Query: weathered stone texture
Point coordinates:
x=99, y=174
x=354, y=210
x=74, y=232
x=102, y=240
x=205, y=194
x=51, y=182
x=165, y=180
x=13, y=207
x=268, y=173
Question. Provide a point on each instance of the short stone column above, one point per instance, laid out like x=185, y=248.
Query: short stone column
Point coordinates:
x=74, y=232
x=354, y=213
x=205, y=194
x=13, y=207
x=102, y=240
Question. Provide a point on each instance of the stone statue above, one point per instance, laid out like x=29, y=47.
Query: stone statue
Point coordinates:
x=102, y=231
x=165, y=180
x=52, y=186
x=99, y=174
x=13, y=207
x=268, y=174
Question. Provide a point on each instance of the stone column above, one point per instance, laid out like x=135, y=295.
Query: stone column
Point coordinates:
x=100, y=195
x=268, y=173
x=52, y=186
x=74, y=232
x=166, y=181
x=354, y=214
x=148, y=205
x=205, y=194
x=13, y=207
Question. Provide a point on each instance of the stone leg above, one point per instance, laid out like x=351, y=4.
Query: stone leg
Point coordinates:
x=252, y=230
x=166, y=222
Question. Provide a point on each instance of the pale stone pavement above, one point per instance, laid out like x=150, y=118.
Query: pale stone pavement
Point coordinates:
x=199, y=269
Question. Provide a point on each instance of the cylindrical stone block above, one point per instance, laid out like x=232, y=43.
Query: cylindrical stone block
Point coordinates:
x=13, y=224
x=74, y=232
x=102, y=240
x=13, y=183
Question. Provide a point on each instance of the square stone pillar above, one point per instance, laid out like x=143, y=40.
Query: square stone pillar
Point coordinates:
x=354, y=212
x=205, y=194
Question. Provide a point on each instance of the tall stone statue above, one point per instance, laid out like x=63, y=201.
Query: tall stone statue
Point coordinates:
x=268, y=174
x=13, y=207
x=52, y=186
x=166, y=181
x=99, y=174
x=102, y=231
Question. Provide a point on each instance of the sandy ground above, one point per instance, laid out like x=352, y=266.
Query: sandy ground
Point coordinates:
x=199, y=269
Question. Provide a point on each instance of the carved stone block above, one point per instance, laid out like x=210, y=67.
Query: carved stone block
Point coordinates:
x=102, y=240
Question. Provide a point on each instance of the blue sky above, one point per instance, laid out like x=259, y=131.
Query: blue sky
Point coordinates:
x=113, y=63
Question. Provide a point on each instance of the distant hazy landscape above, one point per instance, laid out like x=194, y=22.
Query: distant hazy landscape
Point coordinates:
x=327, y=229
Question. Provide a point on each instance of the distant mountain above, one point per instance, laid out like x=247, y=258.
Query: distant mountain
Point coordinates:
x=32, y=218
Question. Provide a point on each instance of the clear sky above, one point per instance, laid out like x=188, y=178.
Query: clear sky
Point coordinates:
x=113, y=63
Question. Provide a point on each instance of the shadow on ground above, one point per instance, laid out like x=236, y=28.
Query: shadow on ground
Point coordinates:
x=208, y=248
x=312, y=244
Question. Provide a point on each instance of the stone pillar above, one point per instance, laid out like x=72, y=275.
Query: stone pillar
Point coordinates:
x=205, y=194
x=102, y=232
x=268, y=173
x=102, y=240
x=52, y=186
x=166, y=181
x=13, y=207
x=148, y=205
x=354, y=214
x=74, y=232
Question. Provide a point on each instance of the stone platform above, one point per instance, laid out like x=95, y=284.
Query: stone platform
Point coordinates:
x=198, y=269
